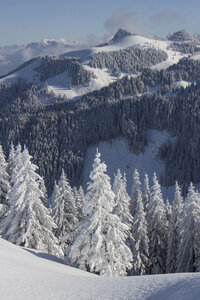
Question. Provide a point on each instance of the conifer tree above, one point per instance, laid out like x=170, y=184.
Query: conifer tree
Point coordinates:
x=135, y=195
x=140, y=235
x=189, y=230
x=136, y=191
x=29, y=223
x=173, y=233
x=79, y=201
x=122, y=199
x=63, y=207
x=146, y=192
x=15, y=163
x=57, y=211
x=4, y=178
x=11, y=159
x=156, y=216
x=99, y=245
x=168, y=208
x=4, y=186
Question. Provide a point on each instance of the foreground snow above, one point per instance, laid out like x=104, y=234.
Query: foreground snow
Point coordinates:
x=25, y=274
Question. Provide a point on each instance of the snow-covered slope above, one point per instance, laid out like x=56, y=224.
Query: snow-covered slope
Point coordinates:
x=25, y=274
x=135, y=40
x=117, y=155
x=61, y=84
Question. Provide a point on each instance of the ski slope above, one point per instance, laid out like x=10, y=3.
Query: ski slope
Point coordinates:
x=27, y=275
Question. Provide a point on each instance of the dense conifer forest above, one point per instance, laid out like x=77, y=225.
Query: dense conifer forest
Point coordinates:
x=57, y=135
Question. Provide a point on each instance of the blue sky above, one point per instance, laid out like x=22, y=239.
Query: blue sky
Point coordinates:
x=23, y=21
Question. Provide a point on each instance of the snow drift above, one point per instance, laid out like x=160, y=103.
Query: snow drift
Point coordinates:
x=26, y=274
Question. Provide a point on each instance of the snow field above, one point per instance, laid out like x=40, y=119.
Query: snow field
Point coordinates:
x=60, y=84
x=24, y=276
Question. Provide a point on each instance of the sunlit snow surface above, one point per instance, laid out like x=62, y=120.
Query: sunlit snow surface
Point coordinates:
x=140, y=41
x=59, y=83
x=103, y=77
x=25, y=276
x=117, y=155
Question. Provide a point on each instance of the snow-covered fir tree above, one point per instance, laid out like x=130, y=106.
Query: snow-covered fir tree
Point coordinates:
x=4, y=178
x=156, y=219
x=139, y=229
x=4, y=186
x=122, y=207
x=11, y=159
x=41, y=184
x=173, y=233
x=140, y=235
x=168, y=208
x=15, y=163
x=122, y=199
x=189, y=230
x=63, y=206
x=29, y=223
x=146, y=192
x=135, y=194
x=79, y=201
x=99, y=245
x=136, y=191
x=57, y=212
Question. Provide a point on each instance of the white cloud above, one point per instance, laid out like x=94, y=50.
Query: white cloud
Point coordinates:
x=122, y=19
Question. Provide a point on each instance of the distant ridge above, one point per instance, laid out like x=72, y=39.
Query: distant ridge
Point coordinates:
x=51, y=43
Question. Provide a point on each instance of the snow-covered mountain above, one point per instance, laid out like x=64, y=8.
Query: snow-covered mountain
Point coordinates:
x=125, y=54
x=28, y=274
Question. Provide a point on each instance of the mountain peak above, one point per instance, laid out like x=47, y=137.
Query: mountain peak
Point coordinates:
x=121, y=33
